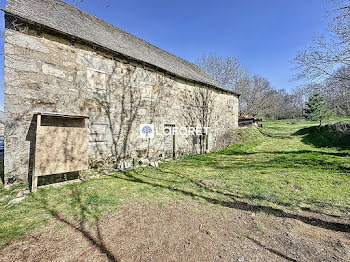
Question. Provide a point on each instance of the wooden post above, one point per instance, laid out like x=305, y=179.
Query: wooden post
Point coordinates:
x=84, y=174
x=87, y=126
x=34, y=183
x=34, y=177
x=86, y=122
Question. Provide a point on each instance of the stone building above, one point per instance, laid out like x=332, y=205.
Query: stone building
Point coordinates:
x=62, y=60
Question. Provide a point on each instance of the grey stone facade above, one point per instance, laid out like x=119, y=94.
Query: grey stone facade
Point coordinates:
x=46, y=71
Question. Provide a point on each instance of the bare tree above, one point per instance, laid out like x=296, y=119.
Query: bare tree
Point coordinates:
x=227, y=71
x=335, y=89
x=197, y=111
x=289, y=104
x=258, y=98
x=326, y=63
x=330, y=51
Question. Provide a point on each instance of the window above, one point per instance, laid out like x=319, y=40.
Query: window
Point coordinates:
x=98, y=132
x=96, y=79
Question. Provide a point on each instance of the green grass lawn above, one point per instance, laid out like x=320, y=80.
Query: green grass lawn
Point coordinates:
x=280, y=166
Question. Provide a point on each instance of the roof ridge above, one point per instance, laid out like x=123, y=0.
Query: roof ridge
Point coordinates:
x=93, y=29
x=123, y=31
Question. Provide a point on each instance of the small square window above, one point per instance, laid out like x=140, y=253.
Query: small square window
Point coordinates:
x=98, y=132
x=96, y=79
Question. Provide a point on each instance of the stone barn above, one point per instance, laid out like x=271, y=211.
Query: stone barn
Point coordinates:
x=66, y=65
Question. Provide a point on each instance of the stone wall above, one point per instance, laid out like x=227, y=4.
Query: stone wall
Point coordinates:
x=48, y=72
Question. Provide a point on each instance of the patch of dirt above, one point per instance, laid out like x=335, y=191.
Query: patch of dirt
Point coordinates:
x=150, y=232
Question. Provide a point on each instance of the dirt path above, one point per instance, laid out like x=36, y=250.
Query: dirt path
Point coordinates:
x=150, y=232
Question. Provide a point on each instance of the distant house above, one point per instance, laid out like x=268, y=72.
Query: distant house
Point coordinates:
x=248, y=122
x=64, y=65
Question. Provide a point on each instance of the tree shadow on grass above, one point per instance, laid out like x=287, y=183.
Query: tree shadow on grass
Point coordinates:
x=234, y=151
x=271, y=250
x=302, y=161
x=325, y=136
x=296, y=160
x=78, y=226
x=237, y=204
x=274, y=135
x=340, y=154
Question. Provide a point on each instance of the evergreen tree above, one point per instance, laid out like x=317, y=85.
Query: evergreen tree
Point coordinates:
x=317, y=108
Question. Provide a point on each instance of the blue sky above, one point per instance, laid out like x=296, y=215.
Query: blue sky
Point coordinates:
x=263, y=34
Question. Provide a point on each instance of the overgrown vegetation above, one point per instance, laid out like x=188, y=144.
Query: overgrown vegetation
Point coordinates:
x=277, y=169
x=335, y=135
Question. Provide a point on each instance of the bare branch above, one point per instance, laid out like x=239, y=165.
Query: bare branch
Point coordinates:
x=324, y=57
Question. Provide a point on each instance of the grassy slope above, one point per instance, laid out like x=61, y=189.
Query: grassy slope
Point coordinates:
x=278, y=167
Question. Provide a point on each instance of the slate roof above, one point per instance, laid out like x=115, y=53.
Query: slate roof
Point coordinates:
x=67, y=19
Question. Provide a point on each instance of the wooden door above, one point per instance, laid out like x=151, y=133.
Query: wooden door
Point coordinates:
x=169, y=141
